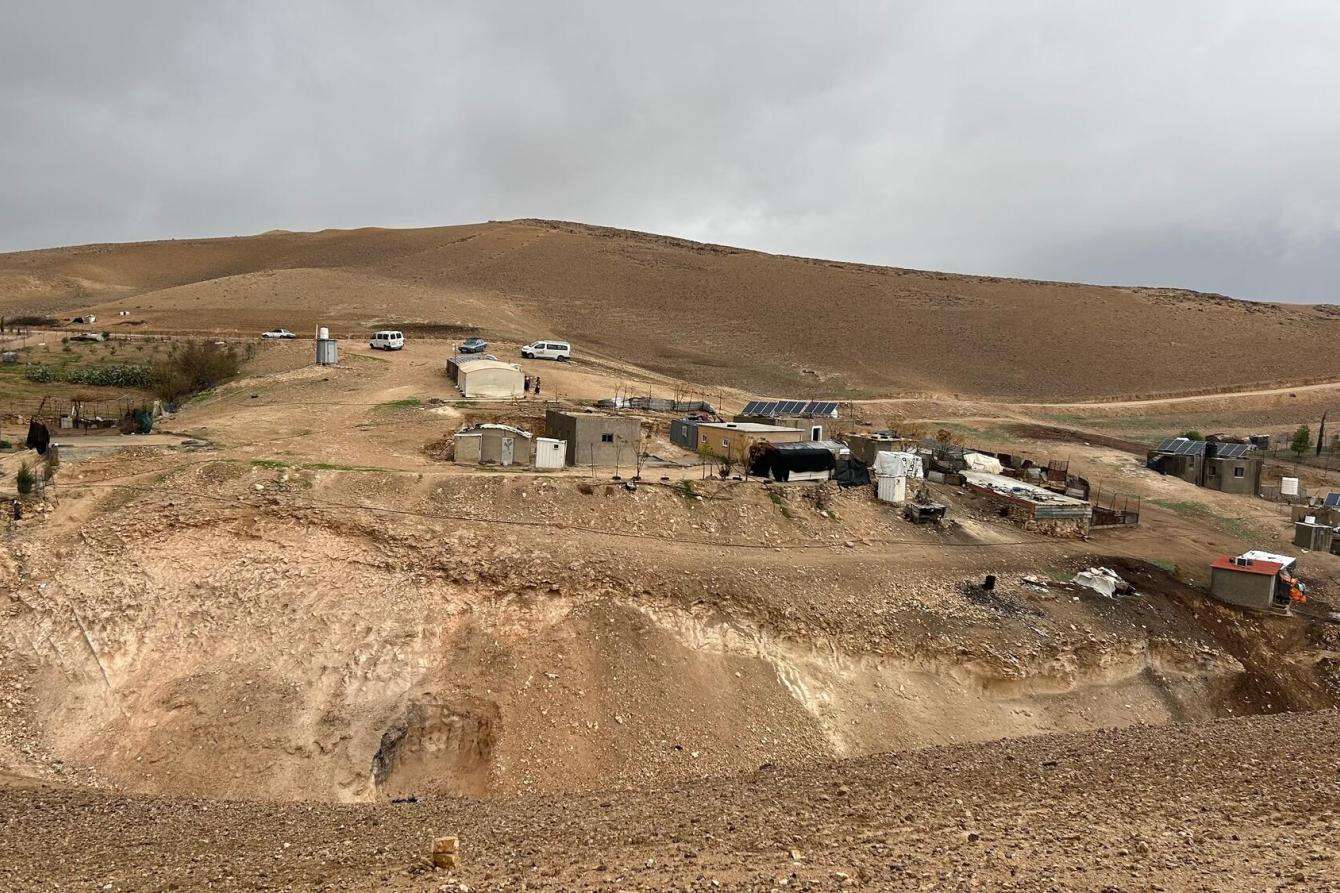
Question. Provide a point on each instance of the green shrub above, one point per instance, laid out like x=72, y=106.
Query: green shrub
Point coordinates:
x=191, y=368
x=24, y=480
x=1302, y=440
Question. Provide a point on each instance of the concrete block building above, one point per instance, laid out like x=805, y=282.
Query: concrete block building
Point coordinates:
x=596, y=438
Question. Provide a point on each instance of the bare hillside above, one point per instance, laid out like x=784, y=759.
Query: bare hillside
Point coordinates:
x=707, y=313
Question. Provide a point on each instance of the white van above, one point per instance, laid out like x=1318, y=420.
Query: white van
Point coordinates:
x=387, y=341
x=548, y=350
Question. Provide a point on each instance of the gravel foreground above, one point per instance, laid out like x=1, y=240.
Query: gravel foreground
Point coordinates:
x=1248, y=804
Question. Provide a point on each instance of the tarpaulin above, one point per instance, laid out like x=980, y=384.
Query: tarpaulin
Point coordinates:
x=851, y=473
x=38, y=437
x=778, y=461
x=898, y=465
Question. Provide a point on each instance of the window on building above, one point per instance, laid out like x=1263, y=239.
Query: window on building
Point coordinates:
x=1239, y=472
x=607, y=438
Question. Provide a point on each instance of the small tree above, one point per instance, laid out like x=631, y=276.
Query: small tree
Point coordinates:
x=24, y=480
x=1302, y=439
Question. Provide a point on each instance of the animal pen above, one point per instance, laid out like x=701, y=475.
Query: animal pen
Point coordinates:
x=1113, y=509
x=77, y=416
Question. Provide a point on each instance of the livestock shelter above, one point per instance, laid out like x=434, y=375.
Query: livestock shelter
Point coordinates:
x=494, y=445
x=483, y=375
x=596, y=438
x=732, y=440
x=1031, y=504
x=791, y=462
x=1258, y=581
x=1215, y=465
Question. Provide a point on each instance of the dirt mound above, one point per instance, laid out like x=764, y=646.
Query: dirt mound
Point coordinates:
x=239, y=630
x=707, y=313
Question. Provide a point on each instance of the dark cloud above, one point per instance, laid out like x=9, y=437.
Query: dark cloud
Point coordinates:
x=1188, y=144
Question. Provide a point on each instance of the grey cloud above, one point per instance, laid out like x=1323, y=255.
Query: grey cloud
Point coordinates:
x=1187, y=144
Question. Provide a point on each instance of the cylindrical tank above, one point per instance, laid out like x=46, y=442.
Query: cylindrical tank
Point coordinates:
x=327, y=351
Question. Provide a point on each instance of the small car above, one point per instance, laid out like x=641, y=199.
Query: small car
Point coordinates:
x=278, y=333
x=548, y=350
x=474, y=345
x=389, y=340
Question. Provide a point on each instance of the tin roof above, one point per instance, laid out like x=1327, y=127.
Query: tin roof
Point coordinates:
x=1253, y=566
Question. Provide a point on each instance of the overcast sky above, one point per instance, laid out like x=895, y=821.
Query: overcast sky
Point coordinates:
x=1180, y=143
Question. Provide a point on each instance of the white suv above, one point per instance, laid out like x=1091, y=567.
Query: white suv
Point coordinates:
x=548, y=350
x=387, y=341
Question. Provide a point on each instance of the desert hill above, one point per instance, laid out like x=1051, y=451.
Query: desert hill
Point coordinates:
x=707, y=313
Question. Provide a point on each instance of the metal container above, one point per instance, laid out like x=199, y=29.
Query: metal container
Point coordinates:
x=327, y=351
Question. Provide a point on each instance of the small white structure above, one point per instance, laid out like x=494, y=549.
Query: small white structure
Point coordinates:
x=1288, y=486
x=550, y=452
x=897, y=464
x=891, y=488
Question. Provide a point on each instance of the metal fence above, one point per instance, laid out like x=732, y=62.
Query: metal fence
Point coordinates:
x=1112, y=508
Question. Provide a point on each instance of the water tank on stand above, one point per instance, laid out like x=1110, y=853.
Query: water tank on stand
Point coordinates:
x=327, y=348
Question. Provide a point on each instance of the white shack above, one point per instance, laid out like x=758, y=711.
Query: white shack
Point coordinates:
x=481, y=375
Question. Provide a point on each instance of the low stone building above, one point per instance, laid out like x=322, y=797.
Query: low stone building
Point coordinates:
x=494, y=445
x=731, y=440
x=596, y=438
x=1256, y=581
x=1216, y=465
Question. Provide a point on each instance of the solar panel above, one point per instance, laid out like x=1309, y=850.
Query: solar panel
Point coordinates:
x=1333, y=501
x=794, y=407
x=827, y=409
x=767, y=408
x=751, y=408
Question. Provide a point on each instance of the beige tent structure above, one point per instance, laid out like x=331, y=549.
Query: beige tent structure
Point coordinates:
x=480, y=375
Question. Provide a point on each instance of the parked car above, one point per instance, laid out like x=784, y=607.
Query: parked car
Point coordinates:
x=474, y=345
x=278, y=333
x=389, y=340
x=548, y=350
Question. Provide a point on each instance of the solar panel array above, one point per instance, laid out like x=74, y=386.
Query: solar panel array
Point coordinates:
x=1180, y=446
x=804, y=408
x=1333, y=501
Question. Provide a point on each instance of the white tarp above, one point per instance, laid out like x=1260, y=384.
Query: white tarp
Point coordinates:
x=1102, y=580
x=978, y=462
x=898, y=465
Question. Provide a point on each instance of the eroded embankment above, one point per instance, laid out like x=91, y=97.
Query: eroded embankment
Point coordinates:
x=256, y=652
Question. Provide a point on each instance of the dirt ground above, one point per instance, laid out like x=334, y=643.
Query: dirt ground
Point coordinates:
x=286, y=611
x=1246, y=804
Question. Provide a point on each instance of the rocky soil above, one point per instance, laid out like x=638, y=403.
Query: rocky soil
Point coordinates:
x=1247, y=804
